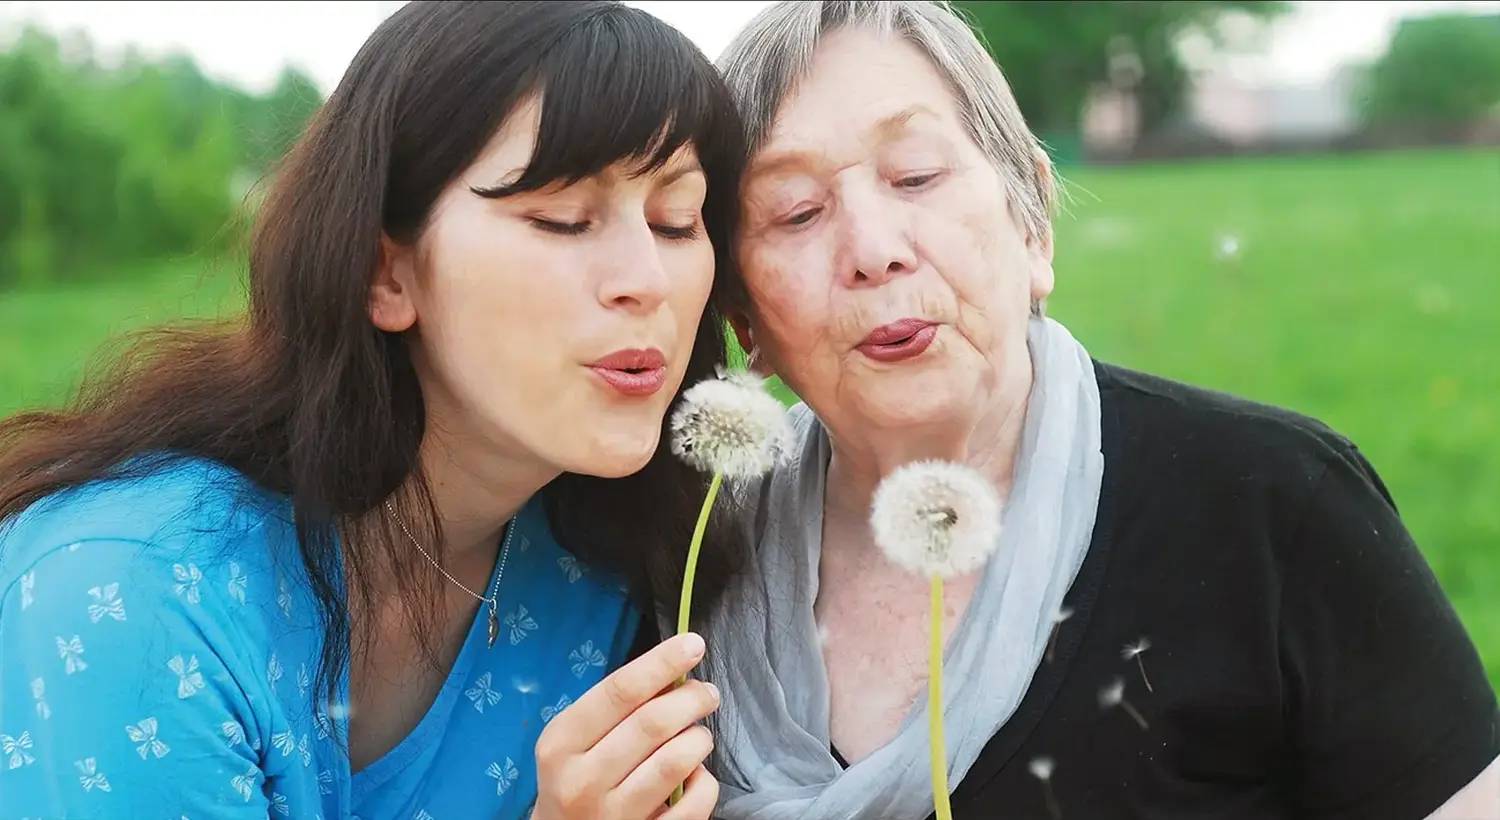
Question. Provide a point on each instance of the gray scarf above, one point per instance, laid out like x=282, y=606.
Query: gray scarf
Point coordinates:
x=773, y=734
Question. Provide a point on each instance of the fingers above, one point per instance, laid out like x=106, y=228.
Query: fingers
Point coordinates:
x=699, y=798
x=668, y=767
x=649, y=727
x=613, y=699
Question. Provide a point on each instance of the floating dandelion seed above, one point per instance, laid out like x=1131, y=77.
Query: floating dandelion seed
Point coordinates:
x=1041, y=768
x=1228, y=247
x=525, y=686
x=1134, y=651
x=937, y=519
x=1057, y=621
x=727, y=426
x=1113, y=694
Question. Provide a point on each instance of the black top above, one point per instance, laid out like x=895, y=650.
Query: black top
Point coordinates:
x=1303, y=661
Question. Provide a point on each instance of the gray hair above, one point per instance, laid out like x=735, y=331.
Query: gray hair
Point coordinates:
x=764, y=62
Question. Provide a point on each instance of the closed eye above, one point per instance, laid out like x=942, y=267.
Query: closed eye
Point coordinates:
x=561, y=228
x=676, y=232
x=916, y=181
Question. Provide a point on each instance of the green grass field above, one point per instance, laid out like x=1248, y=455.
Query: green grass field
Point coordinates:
x=1365, y=291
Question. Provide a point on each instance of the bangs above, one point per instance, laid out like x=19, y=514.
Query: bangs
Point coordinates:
x=624, y=87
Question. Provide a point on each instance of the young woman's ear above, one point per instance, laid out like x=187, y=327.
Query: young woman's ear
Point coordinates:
x=392, y=307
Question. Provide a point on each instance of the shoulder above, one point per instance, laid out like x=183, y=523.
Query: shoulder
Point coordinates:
x=1261, y=497
x=789, y=486
x=137, y=620
x=809, y=451
x=169, y=525
x=1184, y=420
x=163, y=499
x=1211, y=450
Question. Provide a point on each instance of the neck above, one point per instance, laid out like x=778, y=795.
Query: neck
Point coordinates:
x=476, y=489
x=987, y=438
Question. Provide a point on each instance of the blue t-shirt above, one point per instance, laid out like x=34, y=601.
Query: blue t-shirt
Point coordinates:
x=158, y=651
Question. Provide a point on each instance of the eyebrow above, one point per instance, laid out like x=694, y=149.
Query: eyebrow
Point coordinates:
x=888, y=128
x=885, y=129
x=679, y=172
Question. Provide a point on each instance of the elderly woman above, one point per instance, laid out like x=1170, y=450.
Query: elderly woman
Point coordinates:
x=1286, y=651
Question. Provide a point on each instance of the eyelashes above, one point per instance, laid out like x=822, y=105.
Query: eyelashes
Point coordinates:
x=802, y=217
x=559, y=228
x=675, y=232
x=672, y=232
x=916, y=180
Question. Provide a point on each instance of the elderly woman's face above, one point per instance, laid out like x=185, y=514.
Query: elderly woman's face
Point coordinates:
x=891, y=283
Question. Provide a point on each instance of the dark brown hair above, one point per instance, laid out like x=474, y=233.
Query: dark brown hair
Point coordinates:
x=306, y=398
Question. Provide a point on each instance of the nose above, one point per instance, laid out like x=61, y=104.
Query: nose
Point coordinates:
x=634, y=278
x=875, y=236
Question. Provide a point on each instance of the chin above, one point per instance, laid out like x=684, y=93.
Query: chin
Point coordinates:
x=613, y=456
x=913, y=404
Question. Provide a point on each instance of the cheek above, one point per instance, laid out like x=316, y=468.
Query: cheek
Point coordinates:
x=791, y=294
x=969, y=242
x=691, y=271
x=980, y=219
x=483, y=275
x=467, y=274
x=960, y=247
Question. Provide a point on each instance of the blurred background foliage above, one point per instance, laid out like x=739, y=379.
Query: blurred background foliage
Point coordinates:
x=132, y=162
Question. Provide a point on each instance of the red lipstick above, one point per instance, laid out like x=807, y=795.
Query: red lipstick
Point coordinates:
x=633, y=372
x=899, y=340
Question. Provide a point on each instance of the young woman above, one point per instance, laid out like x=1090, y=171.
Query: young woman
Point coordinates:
x=371, y=552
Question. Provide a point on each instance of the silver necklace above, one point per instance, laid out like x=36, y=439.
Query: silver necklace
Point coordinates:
x=494, y=618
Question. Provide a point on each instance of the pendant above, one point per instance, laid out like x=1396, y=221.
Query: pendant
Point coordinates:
x=494, y=626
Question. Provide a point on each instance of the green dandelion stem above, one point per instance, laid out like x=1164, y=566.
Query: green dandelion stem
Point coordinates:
x=685, y=604
x=935, y=705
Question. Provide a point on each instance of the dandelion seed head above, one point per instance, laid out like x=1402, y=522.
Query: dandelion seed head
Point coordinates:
x=524, y=685
x=1062, y=615
x=731, y=425
x=1041, y=767
x=1112, y=694
x=936, y=518
x=1131, y=650
x=822, y=634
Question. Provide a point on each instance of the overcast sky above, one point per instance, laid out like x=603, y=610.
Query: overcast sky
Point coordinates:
x=248, y=42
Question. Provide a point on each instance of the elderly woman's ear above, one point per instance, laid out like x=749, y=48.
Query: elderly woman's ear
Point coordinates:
x=755, y=362
x=1044, y=183
x=1040, y=241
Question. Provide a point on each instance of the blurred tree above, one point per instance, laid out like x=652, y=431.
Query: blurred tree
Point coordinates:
x=1055, y=52
x=57, y=168
x=104, y=165
x=274, y=122
x=1442, y=69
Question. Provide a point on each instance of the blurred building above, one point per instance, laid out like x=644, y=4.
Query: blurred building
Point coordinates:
x=1245, y=112
x=1230, y=109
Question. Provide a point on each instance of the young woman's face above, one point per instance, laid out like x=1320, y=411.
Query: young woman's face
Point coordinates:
x=554, y=326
